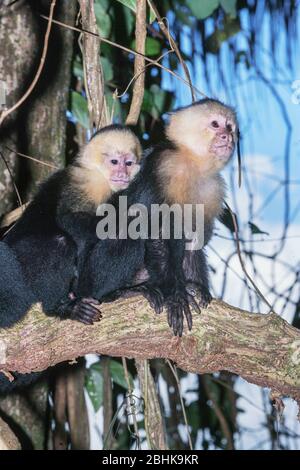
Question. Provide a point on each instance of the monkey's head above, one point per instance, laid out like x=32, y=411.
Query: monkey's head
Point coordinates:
x=208, y=129
x=115, y=152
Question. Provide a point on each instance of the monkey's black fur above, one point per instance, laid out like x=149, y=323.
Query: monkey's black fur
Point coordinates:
x=113, y=264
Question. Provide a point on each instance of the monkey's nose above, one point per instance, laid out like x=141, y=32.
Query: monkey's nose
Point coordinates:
x=224, y=137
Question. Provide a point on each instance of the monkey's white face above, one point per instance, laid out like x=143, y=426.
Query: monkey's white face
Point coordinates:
x=115, y=155
x=209, y=131
x=223, y=141
x=121, y=168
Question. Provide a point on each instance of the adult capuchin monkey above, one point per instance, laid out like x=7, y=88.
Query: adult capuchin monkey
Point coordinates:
x=185, y=169
x=43, y=253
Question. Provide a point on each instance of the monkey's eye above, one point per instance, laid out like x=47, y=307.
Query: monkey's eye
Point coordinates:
x=229, y=127
x=129, y=163
x=114, y=162
x=215, y=124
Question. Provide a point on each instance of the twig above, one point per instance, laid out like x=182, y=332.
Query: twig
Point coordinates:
x=174, y=372
x=12, y=178
x=236, y=231
x=219, y=413
x=126, y=49
x=130, y=392
x=6, y=112
x=139, y=64
x=12, y=216
x=165, y=30
x=50, y=165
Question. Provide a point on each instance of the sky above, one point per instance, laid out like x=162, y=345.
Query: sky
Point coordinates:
x=266, y=109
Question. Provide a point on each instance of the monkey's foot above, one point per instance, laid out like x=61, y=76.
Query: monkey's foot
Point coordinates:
x=153, y=294
x=195, y=288
x=85, y=310
x=178, y=307
x=150, y=292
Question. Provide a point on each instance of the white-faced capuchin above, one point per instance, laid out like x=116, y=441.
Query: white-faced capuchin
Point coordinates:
x=185, y=169
x=41, y=255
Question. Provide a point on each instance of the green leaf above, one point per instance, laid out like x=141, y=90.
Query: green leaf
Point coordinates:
x=203, y=8
x=152, y=16
x=129, y=3
x=229, y=6
x=114, y=106
x=103, y=20
x=117, y=374
x=94, y=385
x=79, y=109
x=255, y=230
x=152, y=46
x=107, y=69
x=132, y=5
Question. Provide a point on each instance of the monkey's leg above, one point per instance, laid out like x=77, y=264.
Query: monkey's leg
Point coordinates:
x=152, y=293
x=164, y=260
x=196, y=275
x=15, y=295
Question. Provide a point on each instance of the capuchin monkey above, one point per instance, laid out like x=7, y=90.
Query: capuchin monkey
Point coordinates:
x=43, y=253
x=185, y=169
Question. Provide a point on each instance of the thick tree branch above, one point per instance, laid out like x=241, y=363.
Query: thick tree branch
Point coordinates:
x=263, y=349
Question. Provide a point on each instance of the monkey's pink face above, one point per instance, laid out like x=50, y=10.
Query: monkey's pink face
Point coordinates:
x=122, y=167
x=223, y=142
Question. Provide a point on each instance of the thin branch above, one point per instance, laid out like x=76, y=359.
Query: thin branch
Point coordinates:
x=165, y=30
x=219, y=413
x=6, y=112
x=174, y=372
x=40, y=162
x=93, y=73
x=154, y=62
x=139, y=64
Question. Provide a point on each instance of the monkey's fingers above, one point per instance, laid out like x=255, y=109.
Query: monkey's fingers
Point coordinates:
x=175, y=317
x=85, y=311
x=206, y=298
x=193, y=303
x=188, y=316
x=154, y=296
x=194, y=288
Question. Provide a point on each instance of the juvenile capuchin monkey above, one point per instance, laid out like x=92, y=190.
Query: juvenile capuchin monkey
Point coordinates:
x=42, y=255
x=185, y=169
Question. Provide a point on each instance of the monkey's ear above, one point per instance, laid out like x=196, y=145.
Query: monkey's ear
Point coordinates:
x=239, y=157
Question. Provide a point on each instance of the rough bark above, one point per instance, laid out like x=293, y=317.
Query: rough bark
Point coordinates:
x=8, y=440
x=153, y=418
x=263, y=349
x=26, y=414
x=19, y=42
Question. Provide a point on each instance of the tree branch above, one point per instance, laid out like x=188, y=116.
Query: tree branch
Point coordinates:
x=263, y=349
x=139, y=64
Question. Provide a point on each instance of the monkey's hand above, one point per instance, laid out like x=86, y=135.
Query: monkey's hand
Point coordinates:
x=197, y=288
x=85, y=310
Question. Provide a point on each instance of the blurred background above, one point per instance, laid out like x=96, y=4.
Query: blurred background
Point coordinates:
x=242, y=52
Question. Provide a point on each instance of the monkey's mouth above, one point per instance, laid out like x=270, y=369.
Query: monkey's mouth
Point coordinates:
x=224, y=151
x=119, y=181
